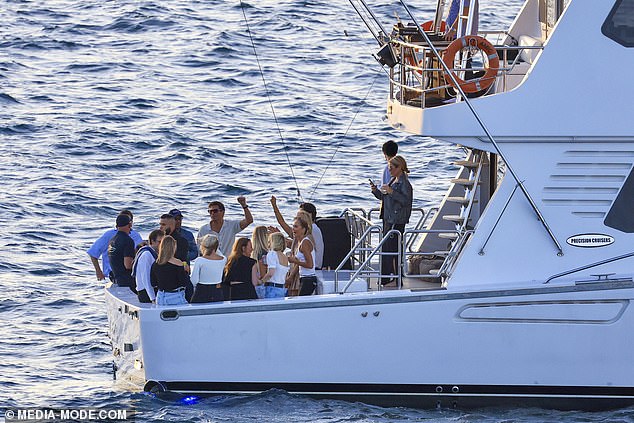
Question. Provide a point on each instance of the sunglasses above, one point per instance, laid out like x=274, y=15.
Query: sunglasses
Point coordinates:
x=214, y=211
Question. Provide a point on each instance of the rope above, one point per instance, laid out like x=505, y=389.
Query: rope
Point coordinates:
x=344, y=135
x=268, y=96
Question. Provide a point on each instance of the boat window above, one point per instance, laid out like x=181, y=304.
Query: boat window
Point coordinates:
x=620, y=216
x=619, y=24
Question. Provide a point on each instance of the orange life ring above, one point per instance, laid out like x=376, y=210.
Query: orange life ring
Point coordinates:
x=492, y=66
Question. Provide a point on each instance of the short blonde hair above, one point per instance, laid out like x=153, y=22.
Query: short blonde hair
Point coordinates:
x=208, y=244
x=277, y=240
x=400, y=162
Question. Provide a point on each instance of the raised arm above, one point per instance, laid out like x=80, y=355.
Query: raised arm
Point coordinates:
x=248, y=217
x=280, y=218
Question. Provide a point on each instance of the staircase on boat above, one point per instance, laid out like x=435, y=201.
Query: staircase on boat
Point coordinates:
x=428, y=248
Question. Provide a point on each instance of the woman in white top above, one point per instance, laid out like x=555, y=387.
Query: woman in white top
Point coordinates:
x=278, y=266
x=305, y=257
x=207, y=272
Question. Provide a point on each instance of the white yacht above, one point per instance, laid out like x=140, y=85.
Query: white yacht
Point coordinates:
x=515, y=289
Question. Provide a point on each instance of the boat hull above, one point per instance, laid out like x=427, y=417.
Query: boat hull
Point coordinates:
x=561, y=347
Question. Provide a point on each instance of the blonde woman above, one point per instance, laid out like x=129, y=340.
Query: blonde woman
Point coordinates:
x=278, y=266
x=304, y=258
x=169, y=274
x=396, y=208
x=259, y=239
x=207, y=272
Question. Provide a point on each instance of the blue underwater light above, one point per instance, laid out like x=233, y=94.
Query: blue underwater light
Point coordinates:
x=189, y=400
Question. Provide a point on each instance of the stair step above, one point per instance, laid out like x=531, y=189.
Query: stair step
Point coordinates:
x=463, y=181
x=448, y=235
x=460, y=200
x=454, y=218
x=466, y=163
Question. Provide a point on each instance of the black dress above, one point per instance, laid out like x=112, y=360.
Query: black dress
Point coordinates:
x=237, y=283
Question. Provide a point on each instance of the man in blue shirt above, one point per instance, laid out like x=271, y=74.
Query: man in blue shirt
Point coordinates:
x=192, y=250
x=100, y=248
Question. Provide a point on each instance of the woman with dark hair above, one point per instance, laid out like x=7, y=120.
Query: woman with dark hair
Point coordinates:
x=207, y=272
x=396, y=208
x=169, y=274
x=240, y=274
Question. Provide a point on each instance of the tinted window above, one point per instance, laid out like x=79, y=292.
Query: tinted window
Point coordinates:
x=621, y=214
x=619, y=24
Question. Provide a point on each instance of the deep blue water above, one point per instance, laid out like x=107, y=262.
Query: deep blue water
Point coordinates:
x=150, y=105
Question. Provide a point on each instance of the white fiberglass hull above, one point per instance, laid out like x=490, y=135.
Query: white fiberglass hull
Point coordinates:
x=555, y=346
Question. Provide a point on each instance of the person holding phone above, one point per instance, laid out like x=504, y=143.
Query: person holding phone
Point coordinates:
x=396, y=208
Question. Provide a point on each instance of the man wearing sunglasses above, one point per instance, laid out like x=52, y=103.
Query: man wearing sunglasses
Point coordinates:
x=225, y=230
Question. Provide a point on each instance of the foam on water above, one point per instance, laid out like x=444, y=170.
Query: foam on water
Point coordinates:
x=152, y=105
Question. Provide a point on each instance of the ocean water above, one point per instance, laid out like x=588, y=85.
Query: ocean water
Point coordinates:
x=151, y=105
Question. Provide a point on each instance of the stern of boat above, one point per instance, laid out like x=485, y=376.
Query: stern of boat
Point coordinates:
x=124, y=333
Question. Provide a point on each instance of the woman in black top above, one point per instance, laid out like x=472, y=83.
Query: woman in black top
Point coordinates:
x=169, y=274
x=240, y=272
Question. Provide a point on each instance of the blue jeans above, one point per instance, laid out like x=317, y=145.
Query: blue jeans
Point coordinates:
x=261, y=291
x=273, y=292
x=171, y=298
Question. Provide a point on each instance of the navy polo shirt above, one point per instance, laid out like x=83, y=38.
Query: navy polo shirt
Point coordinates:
x=120, y=246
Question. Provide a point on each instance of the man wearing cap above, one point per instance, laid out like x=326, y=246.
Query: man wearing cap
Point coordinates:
x=225, y=230
x=100, y=248
x=192, y=250
x=121, y=253
x=167, y=224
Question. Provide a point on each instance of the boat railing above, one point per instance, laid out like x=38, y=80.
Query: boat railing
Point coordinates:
x=590, y=266
x=418, y=77
x=420, y=223
x=357, y=222
x=366, y=270
x=449, y=256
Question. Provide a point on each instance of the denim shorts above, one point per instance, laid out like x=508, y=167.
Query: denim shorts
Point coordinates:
x=273, y=292
x=261, y=291
x=171, y=298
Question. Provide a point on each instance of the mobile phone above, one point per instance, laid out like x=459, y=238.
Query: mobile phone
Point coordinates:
x=371, y=181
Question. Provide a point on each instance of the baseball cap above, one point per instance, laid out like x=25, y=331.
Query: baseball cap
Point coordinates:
x=176, y=213
x=123, y=220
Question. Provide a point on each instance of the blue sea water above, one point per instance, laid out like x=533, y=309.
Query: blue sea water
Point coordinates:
x=151, y=105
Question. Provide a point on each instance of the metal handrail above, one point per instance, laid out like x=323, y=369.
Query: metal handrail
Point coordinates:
x=379, y=247
x=428, y=231
x=352, y=251
x=353, y=211
x=589, y=266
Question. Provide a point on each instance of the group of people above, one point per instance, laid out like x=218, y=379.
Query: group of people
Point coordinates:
x=173, y=267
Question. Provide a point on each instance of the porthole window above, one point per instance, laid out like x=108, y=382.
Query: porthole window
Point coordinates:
x=619, y=24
